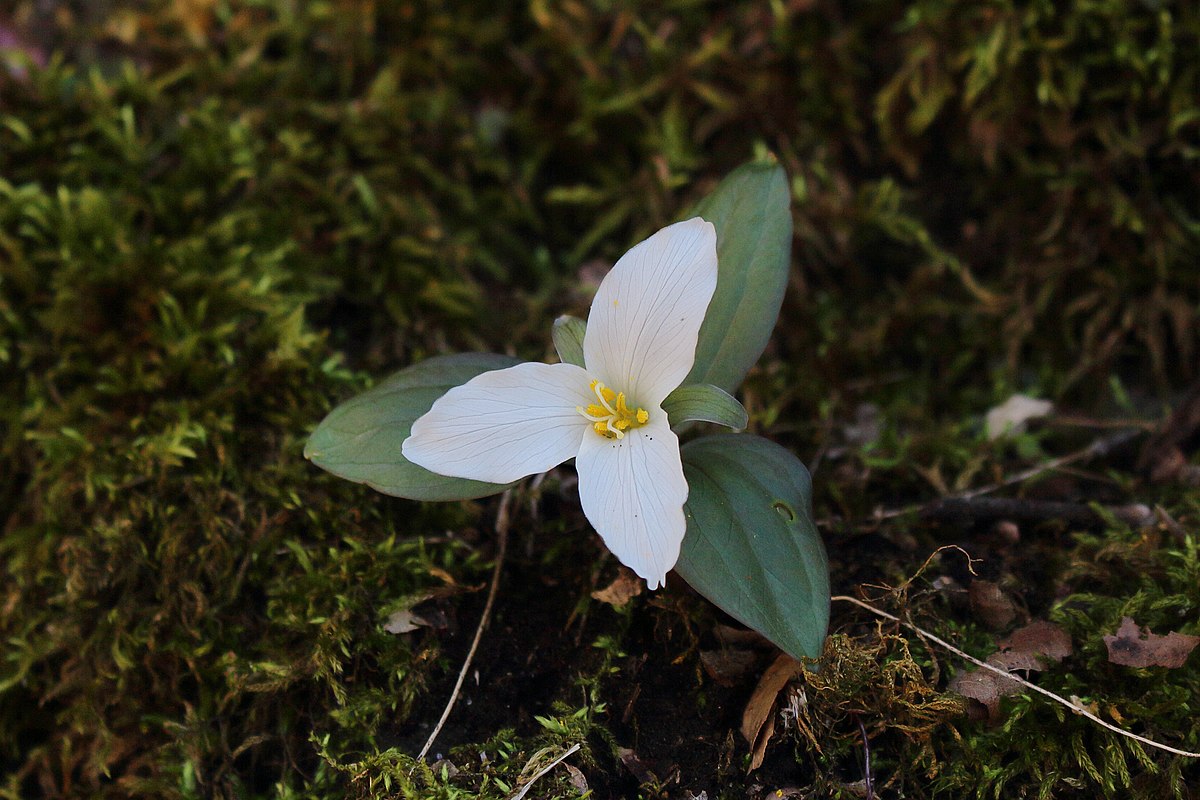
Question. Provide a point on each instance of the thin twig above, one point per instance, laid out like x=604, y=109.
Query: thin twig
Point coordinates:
x=525, y=789
x=965, y=511
x=1099, y=447
x=1006, y=674
x=502, y=524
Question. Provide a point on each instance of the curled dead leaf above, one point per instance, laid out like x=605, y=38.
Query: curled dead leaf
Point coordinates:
x=1134, y=646
x=758, y=718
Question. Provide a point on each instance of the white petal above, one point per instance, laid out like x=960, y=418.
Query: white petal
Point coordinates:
x=645, y=318
x=503, y=425
x=632, y=491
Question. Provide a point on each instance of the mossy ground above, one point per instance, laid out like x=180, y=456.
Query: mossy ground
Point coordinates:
x=218, y=218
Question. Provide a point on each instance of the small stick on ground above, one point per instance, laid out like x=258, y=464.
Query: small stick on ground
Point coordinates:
x=1097, y=449
x=502, y=525
x=1006, y=674
x=971, y=510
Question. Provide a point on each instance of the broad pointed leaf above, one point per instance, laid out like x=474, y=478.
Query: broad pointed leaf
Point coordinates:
x=750, y=209
x=360, y=439
x=751, y=545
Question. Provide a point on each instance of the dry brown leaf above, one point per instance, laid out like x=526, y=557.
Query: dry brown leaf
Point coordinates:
x=990, y=605
x=577, y=779
x=758, y=719
x=726, y=666
x=1039, y=638
x=984, y=687
x=624, y=588
x=759, y=751
x=1028, y=648
x=1134, y=646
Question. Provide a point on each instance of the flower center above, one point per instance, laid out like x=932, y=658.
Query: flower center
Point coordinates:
x=611, y=416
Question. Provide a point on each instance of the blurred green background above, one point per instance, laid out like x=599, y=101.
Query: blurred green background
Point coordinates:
x=218, y=218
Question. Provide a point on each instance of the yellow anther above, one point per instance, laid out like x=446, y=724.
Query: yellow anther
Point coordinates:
x=611, y=415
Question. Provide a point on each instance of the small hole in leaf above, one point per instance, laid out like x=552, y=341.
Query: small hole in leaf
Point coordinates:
x=785, y=510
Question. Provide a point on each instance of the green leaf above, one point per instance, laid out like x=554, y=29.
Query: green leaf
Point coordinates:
x=567, y=334
x=750, y=210
x=751, y=545
x=706, y=403
x=360, y=439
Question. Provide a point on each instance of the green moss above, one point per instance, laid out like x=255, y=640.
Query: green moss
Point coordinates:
x=1120, y=573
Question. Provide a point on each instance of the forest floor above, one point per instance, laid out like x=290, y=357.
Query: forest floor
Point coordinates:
x=221, y=218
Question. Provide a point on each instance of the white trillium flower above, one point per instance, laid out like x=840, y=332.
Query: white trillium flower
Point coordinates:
x=640, y=344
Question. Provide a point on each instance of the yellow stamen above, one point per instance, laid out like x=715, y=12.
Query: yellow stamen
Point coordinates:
x=611, y=415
